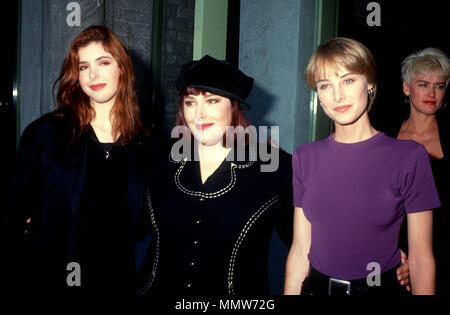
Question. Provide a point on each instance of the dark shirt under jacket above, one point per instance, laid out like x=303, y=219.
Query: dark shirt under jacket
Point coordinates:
x=105, y=250
x=213, y=239
x=51, y=185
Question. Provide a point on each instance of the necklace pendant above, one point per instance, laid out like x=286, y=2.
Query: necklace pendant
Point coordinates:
x=106, y=155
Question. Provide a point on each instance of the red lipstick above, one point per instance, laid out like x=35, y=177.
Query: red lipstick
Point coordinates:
x=203, y=126
x=343, y=108
x=97, y=87
x=430, y=102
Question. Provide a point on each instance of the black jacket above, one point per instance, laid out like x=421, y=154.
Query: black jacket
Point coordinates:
x=213, y=239
x=47, y=187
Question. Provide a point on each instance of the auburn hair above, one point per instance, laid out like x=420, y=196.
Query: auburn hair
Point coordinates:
x=74, y=104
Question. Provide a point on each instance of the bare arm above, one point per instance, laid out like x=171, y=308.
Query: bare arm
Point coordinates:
x=421, y=259
x=297, y=264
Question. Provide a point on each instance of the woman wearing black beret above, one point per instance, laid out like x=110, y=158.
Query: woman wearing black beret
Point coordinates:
x=212, y=210
x=214, y=213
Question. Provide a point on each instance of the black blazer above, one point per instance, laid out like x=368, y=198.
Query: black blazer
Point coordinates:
x=47, y=187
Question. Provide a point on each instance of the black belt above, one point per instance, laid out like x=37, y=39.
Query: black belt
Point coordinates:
x=321, y=284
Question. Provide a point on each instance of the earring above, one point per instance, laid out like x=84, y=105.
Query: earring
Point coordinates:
x=407, y=100
x=370, y=91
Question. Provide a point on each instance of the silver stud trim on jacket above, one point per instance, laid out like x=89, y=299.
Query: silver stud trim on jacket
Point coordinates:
x=171, y=160
x=241, y=237
x=155, y=262
x=211, y=195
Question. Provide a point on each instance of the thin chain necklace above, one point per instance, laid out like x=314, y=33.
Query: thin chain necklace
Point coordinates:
x=107, y=147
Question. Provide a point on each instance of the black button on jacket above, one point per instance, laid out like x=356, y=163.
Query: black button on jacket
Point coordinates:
x=213, y=239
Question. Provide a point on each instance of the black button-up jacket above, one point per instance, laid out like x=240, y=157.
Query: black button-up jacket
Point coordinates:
x=213, y=239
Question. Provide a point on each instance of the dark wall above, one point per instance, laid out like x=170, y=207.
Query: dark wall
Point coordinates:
x=176, y=50
x=46, y=36
x=131, y=20
x=406, y=26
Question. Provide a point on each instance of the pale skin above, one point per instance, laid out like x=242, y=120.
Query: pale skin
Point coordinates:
x=344, y=98
x=207, y=117
x=99, y=78
x=426, y=93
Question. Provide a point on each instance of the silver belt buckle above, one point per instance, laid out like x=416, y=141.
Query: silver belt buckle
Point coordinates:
x=339, y=281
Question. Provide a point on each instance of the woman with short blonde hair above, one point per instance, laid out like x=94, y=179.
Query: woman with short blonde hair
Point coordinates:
x=348, y=205
x=426, y=74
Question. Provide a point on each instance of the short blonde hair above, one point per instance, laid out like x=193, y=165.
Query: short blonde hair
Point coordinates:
x=427, y=60
x=350, y=54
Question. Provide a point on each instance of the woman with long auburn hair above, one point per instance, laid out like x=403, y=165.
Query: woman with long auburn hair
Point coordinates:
x=80, y=178
x=74, y=101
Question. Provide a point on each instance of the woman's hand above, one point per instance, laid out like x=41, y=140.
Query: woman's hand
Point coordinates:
x=403, y=271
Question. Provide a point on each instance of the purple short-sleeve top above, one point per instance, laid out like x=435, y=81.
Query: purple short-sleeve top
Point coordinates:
x=355, y=195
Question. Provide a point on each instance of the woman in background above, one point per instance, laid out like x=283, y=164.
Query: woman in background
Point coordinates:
x=425, y=76
x=348, y=204
x=80, y=177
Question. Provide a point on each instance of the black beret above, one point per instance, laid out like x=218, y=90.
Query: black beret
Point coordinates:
x=215, y=76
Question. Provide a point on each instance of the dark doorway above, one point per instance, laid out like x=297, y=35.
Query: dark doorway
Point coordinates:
x=8, y=29
x=232, y=54
x=406, y=26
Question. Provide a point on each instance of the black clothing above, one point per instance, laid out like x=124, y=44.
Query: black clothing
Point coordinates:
x=57, y=186
x=213, y=239
x=441, y=216
x=215, y=76
x=102, y=235
x=317, y=283
x=443, y=121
